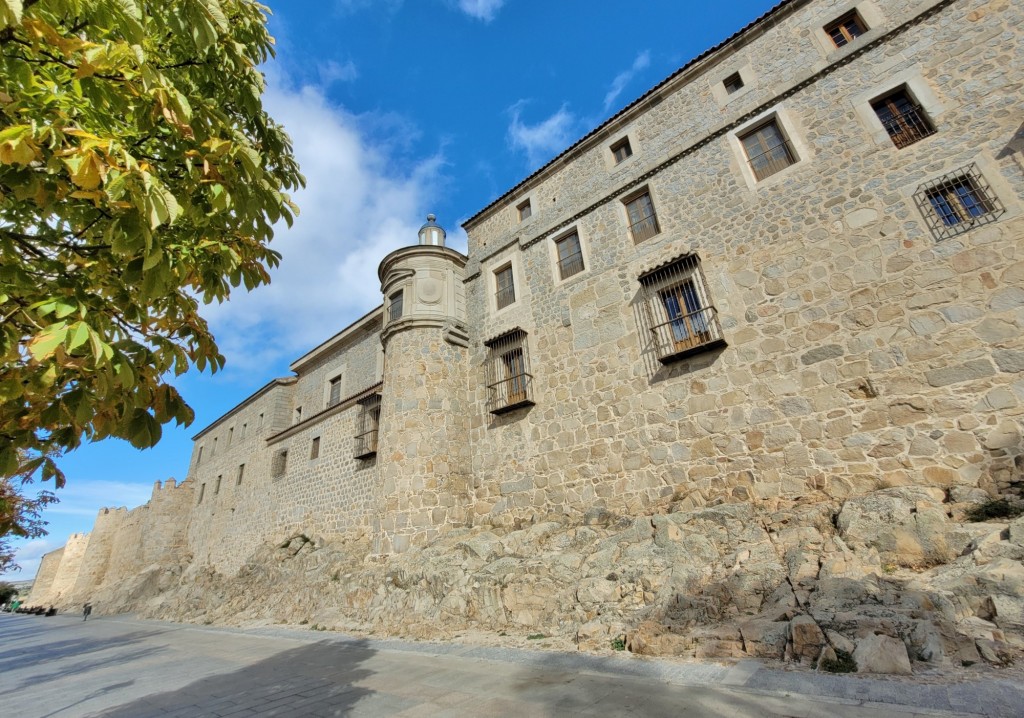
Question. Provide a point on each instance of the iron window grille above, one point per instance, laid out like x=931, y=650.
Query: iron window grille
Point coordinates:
x=506, y=287
x=768, y=150
x=621, y=150
x=279, y=464
x=395, y=306
x=680, y=317
x=904, y=120
x=570, y=255
x=733, y=83
x=367, y=427
x=846, y=29
x=643, y=221
x=957, y=202
x=509, y=381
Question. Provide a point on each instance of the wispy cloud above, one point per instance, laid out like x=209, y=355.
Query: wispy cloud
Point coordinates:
x=485, y=10
x=540, y=141
x=359, y=204
x=333, y=71
x=642, y=62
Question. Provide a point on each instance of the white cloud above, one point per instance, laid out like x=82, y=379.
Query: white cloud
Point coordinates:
x=357, y=206
x=642, y=61
x=332, y=71
x=542, y=140
x=484, y=10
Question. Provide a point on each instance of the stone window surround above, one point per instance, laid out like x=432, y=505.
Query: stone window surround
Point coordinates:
x=716, y=81
x=789, y=127
x=616, y=139
x=524, y=207
x=916, y=86
x=511, y=258
x=554, y=260
x=869, y=12
x=624, y=200
x=517, y=205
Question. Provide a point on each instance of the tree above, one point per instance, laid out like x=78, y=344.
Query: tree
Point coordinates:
x=19, y=516
x=139, y=176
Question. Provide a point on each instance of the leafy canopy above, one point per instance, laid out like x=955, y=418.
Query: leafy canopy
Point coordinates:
x=139, y=176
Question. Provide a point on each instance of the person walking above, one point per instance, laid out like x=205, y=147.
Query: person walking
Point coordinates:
x=86, y=610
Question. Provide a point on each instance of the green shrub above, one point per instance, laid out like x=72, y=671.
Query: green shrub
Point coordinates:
x=843, y=663
x=619, y=644
x=994, y=509
x=535, y=637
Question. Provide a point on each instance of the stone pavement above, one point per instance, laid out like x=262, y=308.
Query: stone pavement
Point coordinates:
x=127, y=668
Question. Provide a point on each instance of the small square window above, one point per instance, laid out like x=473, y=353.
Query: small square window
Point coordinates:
x=902, y=118
x=505, y=293
x=241, y=473
x=367, y=427
x=643, y=222
x=621, y=150
x=395, y=308
x=679, y=315
x=767, y=149
x=958, y=201
x=733, y=83
x=279, y=464
x=525, y=210
x=846, y=29
x=334, y=391
x=570, y=255
x=509, y=382
x=314, y=449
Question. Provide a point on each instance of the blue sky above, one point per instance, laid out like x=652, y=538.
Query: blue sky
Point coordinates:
x=398, y=108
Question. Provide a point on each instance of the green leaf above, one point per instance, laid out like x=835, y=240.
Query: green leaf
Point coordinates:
x=78, y=335
x=44, y=344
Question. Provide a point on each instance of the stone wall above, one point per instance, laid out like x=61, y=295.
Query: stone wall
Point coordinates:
x=42, y=586
x=64, y=582
x=862, y=351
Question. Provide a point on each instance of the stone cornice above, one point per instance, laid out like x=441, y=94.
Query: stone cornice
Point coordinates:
x=330, y=411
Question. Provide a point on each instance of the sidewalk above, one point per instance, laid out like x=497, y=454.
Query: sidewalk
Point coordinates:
x=119, y=666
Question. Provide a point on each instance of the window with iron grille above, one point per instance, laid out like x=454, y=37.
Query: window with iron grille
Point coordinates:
x=678, y=312
x=846, y=29
x=621, y=150
x=733, y=83
x=570, y=255
x=768, y=150
x=506, y=288
x=241, y=473
x=367, y=426
x=334, y=390
x=643, y=222
x=902, y=118
x=958, y=201
x=279, y=464
x=395, y=302
x=525, y=210
x=509, y=381
x=314, y=449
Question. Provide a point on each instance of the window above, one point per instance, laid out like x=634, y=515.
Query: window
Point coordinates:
x=199, y=456
x=679, y=315
x=643, y=222
x=241, y=473
x=259, y=421
x=570, y=255
x=733, y=83
x=958, y=201
x=509, y=382
x=298, y=414
x=213, y=449
x=216, y=486
x=902, y=118
x=314, y=449
x=768, y=151
x=241, y=432
x=506, y=288
x=367, y=426
x=279, y=465
x=231, y=435
x=334, y=391
x=202, y=492
x=395, y=305
x=525, y=210
x=846, y=29
x=621, y=150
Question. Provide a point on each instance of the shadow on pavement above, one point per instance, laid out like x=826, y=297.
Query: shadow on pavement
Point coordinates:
x=314, y=680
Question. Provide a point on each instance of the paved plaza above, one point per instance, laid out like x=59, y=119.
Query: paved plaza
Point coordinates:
x=128, y=668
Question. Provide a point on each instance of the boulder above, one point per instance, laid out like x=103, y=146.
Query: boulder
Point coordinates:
x=882, y=654
x=807, y=637
x=764, y=637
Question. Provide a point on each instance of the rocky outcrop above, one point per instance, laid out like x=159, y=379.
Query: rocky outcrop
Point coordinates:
x=889, y=578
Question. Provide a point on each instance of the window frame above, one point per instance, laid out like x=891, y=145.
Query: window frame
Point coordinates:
x=396, y=299
x=649, y=225
x=840, y=24
x=914, y=120
x=334, y=391
x=961, y=191
x=668, y=289
x=509, y=290
x=524, y=210
x=617, y=147
x=791, y=155
x=508, y=375
x=730, y=83
x=560, y=261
